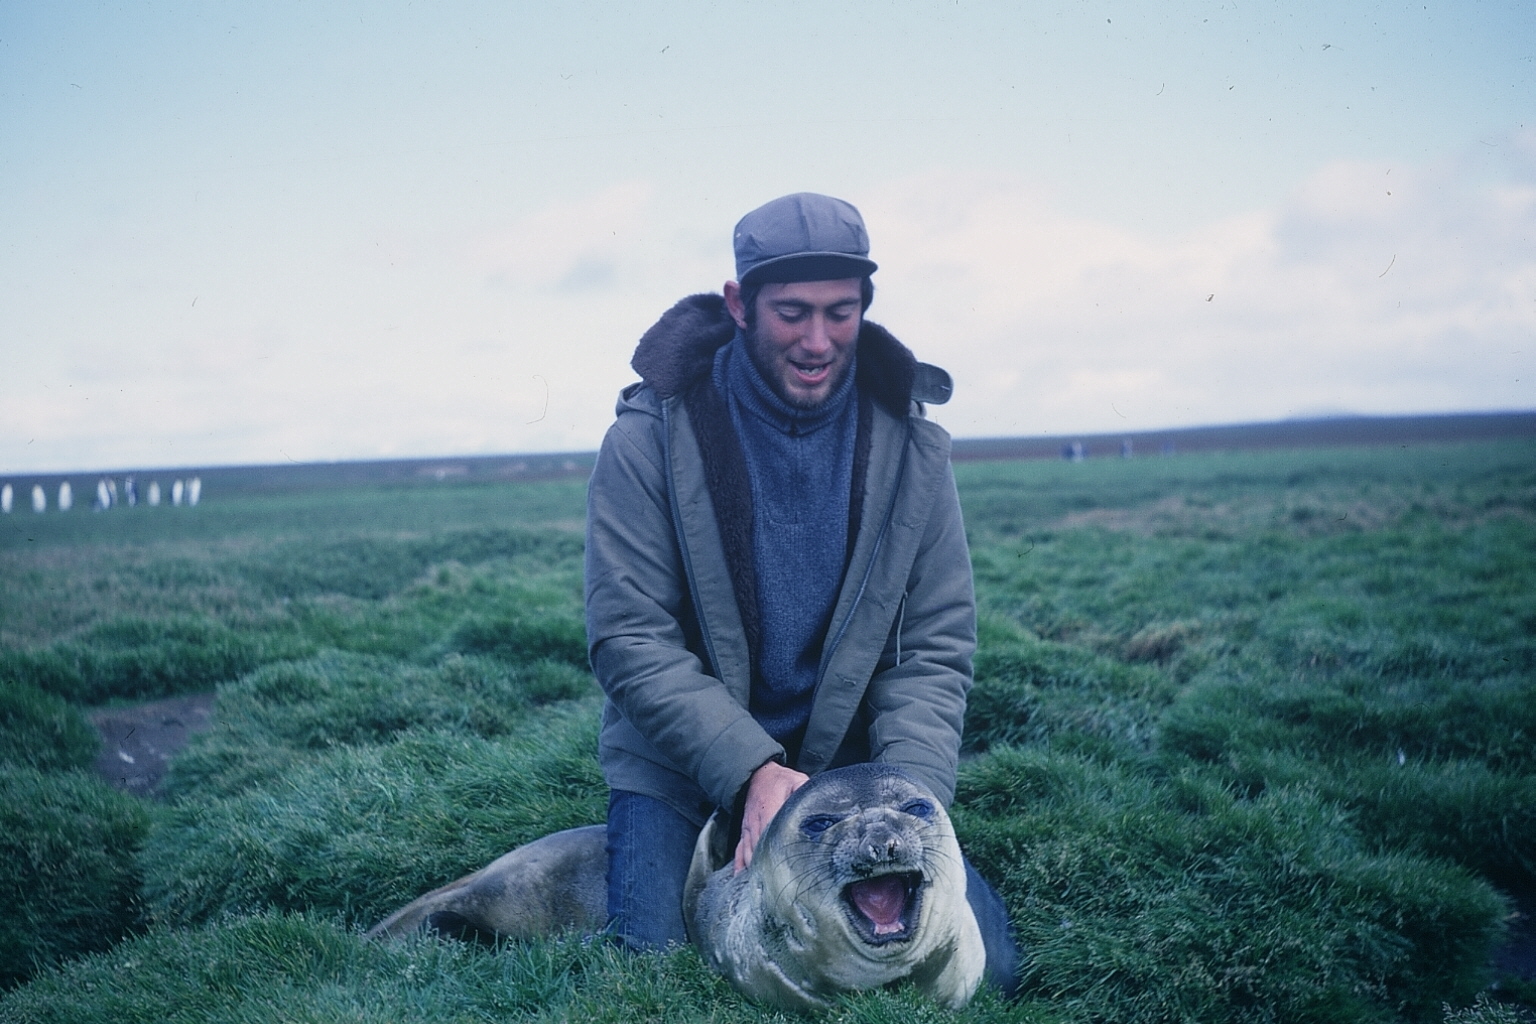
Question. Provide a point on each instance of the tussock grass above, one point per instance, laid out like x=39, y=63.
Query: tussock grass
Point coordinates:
x=516, y=603
x=523, y=638
x=43, y=731
x=363, y=829
x=1247, y=736
x=1140, y=897
x=143, y=659
x=375, y=567
x=1430, y=766
x=274, y=967
x=1028, y=690
x=1485, y=1011
x=68, y=879
x=284, y=714
x=1491, y=720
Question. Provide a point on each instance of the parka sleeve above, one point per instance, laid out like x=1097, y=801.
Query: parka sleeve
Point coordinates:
x=640, y=621
x=916, y=699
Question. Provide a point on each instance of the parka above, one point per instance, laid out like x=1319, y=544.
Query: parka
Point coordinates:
x=670, y=612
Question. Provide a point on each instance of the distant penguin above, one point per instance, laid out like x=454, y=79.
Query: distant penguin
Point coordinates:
x=130, y=492
x=194, y=490
x=176, y=489
x=103, y=496
x=154, y=493
x=39, y=499
x=66, y=497
x=6, y=497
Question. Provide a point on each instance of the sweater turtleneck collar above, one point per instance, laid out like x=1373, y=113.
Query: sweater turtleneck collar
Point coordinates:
x=735, y=374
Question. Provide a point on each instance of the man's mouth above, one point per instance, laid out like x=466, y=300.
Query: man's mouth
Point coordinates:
x=812, y=374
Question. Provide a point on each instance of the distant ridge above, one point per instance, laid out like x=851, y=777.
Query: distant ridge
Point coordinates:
x=1328, y=431
x=1303, y=433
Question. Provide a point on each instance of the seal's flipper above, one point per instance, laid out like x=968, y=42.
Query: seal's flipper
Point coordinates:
x=552, y=885
x=710, y=853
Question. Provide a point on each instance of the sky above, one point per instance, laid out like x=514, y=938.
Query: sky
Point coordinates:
x=247, y=233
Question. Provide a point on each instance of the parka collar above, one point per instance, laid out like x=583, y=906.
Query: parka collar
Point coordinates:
x=680, y=349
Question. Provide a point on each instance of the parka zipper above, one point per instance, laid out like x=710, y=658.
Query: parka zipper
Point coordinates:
x=890, y=513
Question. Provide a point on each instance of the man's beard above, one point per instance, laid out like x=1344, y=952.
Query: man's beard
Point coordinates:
x=772, y=374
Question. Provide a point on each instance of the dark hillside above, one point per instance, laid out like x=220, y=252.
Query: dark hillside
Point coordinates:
x=1308, y=433
x=310, y=476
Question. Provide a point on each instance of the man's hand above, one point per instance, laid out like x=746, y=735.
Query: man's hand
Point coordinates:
x=767, y=790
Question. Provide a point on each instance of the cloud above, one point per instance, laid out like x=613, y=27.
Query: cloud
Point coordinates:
x=1371, y=288
x=574, y=246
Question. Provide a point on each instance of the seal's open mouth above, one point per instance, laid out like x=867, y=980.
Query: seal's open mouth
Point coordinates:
x=885, y=907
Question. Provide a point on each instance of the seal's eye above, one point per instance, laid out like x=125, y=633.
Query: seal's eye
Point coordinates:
x=918, y=809
x=816, y=824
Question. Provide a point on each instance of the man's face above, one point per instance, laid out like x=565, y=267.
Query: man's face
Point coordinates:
x=804, y=338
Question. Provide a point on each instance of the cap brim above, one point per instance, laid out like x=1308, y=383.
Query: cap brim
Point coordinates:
x=810, y=266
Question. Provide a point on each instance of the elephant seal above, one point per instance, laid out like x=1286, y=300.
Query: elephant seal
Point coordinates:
x=857, y=882
x=551, y=885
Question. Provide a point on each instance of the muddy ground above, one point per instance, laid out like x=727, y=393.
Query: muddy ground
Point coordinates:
x=138, y=742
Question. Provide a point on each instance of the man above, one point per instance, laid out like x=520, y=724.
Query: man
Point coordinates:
x=777, y=578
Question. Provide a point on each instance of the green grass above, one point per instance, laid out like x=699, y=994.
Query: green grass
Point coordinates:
x=362, y=829
x=285, y=714
x=1146, y=897
x=1251, y=740
x=43, y=731
x=68, y=880
x=274, y=967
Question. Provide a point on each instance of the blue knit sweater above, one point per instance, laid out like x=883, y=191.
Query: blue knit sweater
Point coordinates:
x=800, y=465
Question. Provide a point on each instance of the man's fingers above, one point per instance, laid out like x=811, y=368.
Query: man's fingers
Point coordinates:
x=767, y=790
x=744, y=852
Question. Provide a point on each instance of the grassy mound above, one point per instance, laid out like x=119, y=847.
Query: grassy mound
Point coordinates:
x=298, y=968
x=41, y=730
x=375, y=567
x=361, y=830
x=1028, y=690
x=284, y=714
x=68, y=878
x=142, y=659
x=1145, y=897
x=1434, y=766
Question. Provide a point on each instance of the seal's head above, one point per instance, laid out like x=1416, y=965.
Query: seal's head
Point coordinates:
x=874, y=838
x=857, y=883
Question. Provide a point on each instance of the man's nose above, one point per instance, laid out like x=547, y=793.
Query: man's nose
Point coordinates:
x=817, y=338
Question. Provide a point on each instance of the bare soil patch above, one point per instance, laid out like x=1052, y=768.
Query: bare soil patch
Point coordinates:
x=138, y=742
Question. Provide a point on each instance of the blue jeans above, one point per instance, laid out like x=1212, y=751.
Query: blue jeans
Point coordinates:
x=650, y=846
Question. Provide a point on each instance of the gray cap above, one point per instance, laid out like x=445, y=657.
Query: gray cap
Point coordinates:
x=802, y=237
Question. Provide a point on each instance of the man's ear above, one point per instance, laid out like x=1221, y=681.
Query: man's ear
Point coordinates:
x=734, y=305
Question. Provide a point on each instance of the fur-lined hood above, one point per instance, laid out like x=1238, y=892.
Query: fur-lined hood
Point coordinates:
x=680, y=349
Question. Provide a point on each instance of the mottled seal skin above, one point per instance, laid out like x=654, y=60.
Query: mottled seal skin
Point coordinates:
x=857, y=883
x=552, y=885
